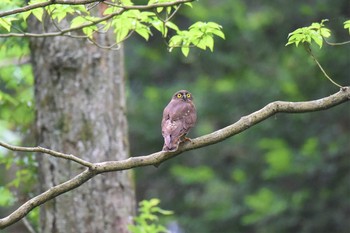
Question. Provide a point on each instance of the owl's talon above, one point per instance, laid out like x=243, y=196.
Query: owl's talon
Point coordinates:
x=186, y=139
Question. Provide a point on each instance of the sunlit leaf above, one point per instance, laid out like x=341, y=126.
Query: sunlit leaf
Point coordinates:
x=209, y=42
x=219, y=33
x=185, y=51
x=6, y=22
x=38, y=13
x=122, y=33
x=172, y=26
x=77, y=21
x=347, y=25
x=144, y=32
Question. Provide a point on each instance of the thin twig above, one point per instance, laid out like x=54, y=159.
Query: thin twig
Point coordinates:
x=308, y=49
x=29, y=226
x=47, y=151
x=336, y=43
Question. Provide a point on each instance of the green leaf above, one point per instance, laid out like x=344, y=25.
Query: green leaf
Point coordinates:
x=176, y=41
x=209, y=42
x=78, y=21
x=89, y=31
x=122, y=33
x=59, y=12
x=109, y=10
x=25, y=15
x=144, y=32
x=198, y=24
x=188, y=4
x=214, y=25
x=325, y=32
x=347, y=25
x=6, y=23
x=38, y=13
x=317, y=38
x=185, y=51
x=172, y=26
x=219, y=33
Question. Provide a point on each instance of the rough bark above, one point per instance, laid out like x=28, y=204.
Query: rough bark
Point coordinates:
x=80, y=109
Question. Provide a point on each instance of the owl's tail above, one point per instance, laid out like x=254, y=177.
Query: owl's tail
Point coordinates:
x=169, y=144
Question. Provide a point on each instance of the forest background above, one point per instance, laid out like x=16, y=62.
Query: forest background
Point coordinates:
x=288, y=174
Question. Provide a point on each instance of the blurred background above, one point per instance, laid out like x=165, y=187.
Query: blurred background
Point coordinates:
x=290, y=173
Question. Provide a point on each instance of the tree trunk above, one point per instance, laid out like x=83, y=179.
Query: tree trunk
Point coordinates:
x=80, y=110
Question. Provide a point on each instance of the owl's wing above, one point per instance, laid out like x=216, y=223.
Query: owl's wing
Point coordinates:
x=190, y=117
x=172, y=131
x=173, y=125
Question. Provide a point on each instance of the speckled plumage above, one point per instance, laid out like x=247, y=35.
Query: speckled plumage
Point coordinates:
x=179, y=116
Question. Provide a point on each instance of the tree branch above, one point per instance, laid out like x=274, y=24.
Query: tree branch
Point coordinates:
x=85, y=2
x=47, y=151
x=44, y=4
x=157, y=158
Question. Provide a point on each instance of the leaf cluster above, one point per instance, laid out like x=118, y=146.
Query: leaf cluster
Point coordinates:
x=147, y=220
x=199, y=35
x=315, y=32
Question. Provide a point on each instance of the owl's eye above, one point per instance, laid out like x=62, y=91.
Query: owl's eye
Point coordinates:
x=179, y=95
x=188, y=95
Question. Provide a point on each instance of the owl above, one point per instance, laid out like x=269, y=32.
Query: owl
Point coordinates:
x=179, y=116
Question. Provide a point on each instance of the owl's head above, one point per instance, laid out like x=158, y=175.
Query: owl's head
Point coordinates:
x=183, y=95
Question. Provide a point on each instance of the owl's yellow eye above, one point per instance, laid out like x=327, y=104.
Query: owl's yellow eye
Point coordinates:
x=179, y=96
x=188, y=95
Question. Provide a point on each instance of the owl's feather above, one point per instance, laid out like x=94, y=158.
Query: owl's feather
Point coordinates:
x=179, y=116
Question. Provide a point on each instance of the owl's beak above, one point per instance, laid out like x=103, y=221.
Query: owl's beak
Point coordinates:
x=184, y=97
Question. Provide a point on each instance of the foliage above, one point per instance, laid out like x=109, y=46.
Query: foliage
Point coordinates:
x=315, y=32
x=123, y=20
x=199, y=34
x=18, y=173
x=147, y=220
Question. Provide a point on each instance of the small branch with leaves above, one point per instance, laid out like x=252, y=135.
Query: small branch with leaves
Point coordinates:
x=316, y=33
x=155, y=159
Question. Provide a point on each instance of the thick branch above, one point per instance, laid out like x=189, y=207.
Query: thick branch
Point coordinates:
x=156, y=158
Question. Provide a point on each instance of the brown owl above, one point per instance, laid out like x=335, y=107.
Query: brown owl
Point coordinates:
x=179, y=116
